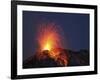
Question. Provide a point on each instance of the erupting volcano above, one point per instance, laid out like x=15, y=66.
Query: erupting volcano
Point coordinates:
x=51, y=42
x=55, y=39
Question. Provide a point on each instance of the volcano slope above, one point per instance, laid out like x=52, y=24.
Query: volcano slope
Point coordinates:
x=62, y=58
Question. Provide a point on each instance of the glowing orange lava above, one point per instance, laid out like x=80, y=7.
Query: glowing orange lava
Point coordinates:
x=50, y=38
x=47, y=46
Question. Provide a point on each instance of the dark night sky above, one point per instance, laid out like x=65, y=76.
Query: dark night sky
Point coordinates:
x=75, y=27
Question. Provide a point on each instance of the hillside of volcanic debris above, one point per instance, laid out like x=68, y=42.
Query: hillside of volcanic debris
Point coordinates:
x=57, y=58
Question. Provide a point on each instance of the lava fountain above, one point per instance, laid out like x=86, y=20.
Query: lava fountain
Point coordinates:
x=50, y=38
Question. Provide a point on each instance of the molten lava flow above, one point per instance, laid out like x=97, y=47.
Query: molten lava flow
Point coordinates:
x=50, y=38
